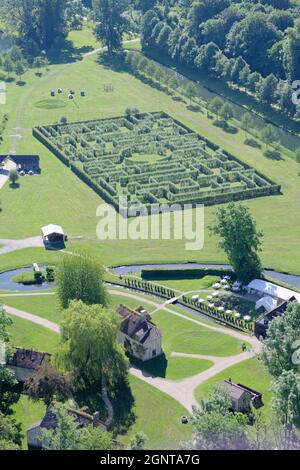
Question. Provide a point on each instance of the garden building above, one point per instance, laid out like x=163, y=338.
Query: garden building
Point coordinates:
x=138, y=334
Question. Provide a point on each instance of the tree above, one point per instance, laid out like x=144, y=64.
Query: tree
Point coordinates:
x=240, y=240
x=89, y=345
x=268, y=89
x=226, y=112
x=93, y=438
x=247, y=122
x=48, y=384
x=80, y=278
x=269, y=135
x=68, y=436
x=215, y=105
x=19, y=69
x=7, y=379
x=292, y=52
x=138, y=441
x=280, y=346
x=216, y=428
x=10, y=433
x=110, y=22
x=286, y=403
x=39, y=24
x=8, y=65
x=191, y=91
x=207, y=57
x=13, y=177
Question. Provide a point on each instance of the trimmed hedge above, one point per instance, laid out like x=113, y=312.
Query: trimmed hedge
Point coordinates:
x=156, y=274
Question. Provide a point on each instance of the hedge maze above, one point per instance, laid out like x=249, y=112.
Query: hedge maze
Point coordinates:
x=152, y=159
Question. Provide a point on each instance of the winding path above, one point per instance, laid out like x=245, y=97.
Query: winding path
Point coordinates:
x=182, y=391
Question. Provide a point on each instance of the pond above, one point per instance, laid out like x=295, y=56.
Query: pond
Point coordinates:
x=6, y=282
x=289, y=279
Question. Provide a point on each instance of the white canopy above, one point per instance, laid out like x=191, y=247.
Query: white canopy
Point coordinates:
x=272, y=290
x=267, y=302
x=51, y=229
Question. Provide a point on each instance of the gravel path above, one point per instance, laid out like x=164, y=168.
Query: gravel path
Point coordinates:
x=14, y=245
x=182, y=390
x=32, y=318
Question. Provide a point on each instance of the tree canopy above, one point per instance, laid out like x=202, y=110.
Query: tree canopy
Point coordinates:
x=89, y=346
x=240, y=239
x=80, y=278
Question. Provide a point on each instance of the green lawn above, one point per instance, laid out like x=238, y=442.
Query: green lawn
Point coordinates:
x=28, y=335
x=27, y=413
x=158, y=416
x=43, y=306
x=180, y=335
x=57, y=196
x=250, y=373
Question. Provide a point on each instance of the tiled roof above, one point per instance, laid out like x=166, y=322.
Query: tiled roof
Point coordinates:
x=137, y=324
x=28, y=359
x=83, y=418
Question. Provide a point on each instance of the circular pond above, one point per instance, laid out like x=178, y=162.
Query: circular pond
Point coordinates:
x=7, y=283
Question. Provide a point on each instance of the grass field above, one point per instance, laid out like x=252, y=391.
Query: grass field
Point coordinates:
x=28, y=335
x=58, y=196
x=27, y=413
x=184, y=336
x=158, y=416
x=250, y=373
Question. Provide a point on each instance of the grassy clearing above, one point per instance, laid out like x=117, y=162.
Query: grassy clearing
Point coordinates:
x=250, y=373
x=184, y=336
x=58, y=196
x=28, y=335
x=158, y=416
x=44, y=306
x=27, y=413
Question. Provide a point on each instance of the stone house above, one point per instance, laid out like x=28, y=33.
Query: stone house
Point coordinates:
x=83, y=417
x=25, y=362
x=242, y=398
x=139, y=335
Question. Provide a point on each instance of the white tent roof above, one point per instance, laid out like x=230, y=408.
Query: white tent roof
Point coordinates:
x=50, y=229
x=273, y=290
x=269, y=303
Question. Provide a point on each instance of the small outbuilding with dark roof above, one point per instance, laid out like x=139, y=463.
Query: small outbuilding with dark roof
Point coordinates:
x=25, y=362
x=242, y=397
x=83, y=418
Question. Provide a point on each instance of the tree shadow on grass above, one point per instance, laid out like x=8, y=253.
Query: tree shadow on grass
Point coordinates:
x=226, y=127
x=273, y=155
x=21, y=83
x=122, y=401
x=114, y=62
x=14, y=185
x=195, y=108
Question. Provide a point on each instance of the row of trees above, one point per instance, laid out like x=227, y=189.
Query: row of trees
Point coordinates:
x=255, y=54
